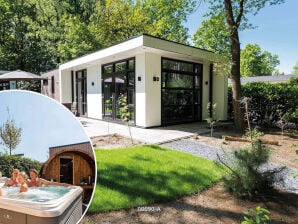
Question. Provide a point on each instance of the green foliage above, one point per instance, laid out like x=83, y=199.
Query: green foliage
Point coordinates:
x=254, y=62
x=166, y=18
x=213, y=35
x=37, y=36
x=118, y=20
x=32, y=85
x=244, y=176
x=10, y=135
x=254, y=133
x=8, y=163
x=295, y=173
x=21, y=46
x=124, y=112
x=123, y=108
x=78, y=39
x=256, y=216
x=270, y=101
x=236, y=19
x=295, y=69
x=211, y=120
x=145, y=174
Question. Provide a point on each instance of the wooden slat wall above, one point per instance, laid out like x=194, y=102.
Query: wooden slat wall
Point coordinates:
x=81, y=168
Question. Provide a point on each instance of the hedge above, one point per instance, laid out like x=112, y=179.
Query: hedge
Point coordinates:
x=10, y=162
x=270, y=101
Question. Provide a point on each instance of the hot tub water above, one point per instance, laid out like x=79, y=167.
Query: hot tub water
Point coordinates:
x=42, y=205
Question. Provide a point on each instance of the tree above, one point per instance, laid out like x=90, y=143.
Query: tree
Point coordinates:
x=21, y=46
x=124, y=112
x=78, y=39
x=254, y=62
x=166, y=18
x=213, y=35
x=117, y=20
x=236, y=12
x=10, y=135
x=295, y=69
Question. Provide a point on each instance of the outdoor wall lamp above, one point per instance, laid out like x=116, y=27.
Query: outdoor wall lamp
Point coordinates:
x=206, y=82
x=92, y=83
x=155, y=79
x=139, y=78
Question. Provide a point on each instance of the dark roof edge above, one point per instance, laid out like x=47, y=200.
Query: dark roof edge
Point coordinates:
x=70, y=145
x=171, y=41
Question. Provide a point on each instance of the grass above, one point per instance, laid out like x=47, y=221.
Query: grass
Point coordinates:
x=141, y=175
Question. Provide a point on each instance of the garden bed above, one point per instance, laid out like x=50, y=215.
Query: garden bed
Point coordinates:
x=213, y=205
x=284, y=153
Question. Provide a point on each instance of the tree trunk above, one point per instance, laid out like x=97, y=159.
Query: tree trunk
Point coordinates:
x=233, y=25
x=236, y=84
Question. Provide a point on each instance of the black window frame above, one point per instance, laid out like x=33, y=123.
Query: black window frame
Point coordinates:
x=128, y=87
x=52, y=84
x=195, y=92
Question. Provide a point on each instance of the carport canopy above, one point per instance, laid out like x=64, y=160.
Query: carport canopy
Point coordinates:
x=20, y=75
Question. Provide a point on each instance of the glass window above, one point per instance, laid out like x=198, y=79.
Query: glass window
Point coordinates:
x=121, y=66
x=177, y=65
x=177, y=97
x=118, y=78
x=176, y=80
x=44, y=82
x=107, y=69
x=180, y=91
x=131, y=79
x=131, y=64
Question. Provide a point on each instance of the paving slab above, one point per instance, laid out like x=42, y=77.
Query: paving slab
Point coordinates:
x=157, y=135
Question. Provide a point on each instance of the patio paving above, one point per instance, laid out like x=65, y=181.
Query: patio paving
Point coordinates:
x=157, y=135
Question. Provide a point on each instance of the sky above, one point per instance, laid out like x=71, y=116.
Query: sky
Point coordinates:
x=45, y=123
x=276, y=32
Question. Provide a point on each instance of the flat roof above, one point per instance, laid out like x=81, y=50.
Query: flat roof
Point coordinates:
x=142, y=43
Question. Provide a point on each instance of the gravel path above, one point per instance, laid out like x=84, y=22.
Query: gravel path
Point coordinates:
x=288, y=182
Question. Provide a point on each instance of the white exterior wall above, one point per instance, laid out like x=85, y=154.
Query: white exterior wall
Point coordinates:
x=147, y=52
x=220, y=96
x=205, y=89
x=153, y=90
x=140, y=97
x=94, y=101
x=65, y=86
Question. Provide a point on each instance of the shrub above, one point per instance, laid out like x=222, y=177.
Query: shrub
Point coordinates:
x=211, y=120
x=245, y=177
x=256, y=216
x=8, y=163
x=271, y=101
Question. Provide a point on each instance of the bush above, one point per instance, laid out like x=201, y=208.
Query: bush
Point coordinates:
x=8, y=163
x=269, y=102
x=244, y=175
x=258, y=216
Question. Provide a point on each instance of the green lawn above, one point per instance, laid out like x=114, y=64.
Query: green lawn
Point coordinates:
x=141, y=175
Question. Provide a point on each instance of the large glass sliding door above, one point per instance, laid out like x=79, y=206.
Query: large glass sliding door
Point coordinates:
x=181, y=91
x=118, y=78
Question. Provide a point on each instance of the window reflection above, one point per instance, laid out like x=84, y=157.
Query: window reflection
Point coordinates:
x=181, y=91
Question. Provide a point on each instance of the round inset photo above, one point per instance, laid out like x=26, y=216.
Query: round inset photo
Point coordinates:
x=47, y=164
